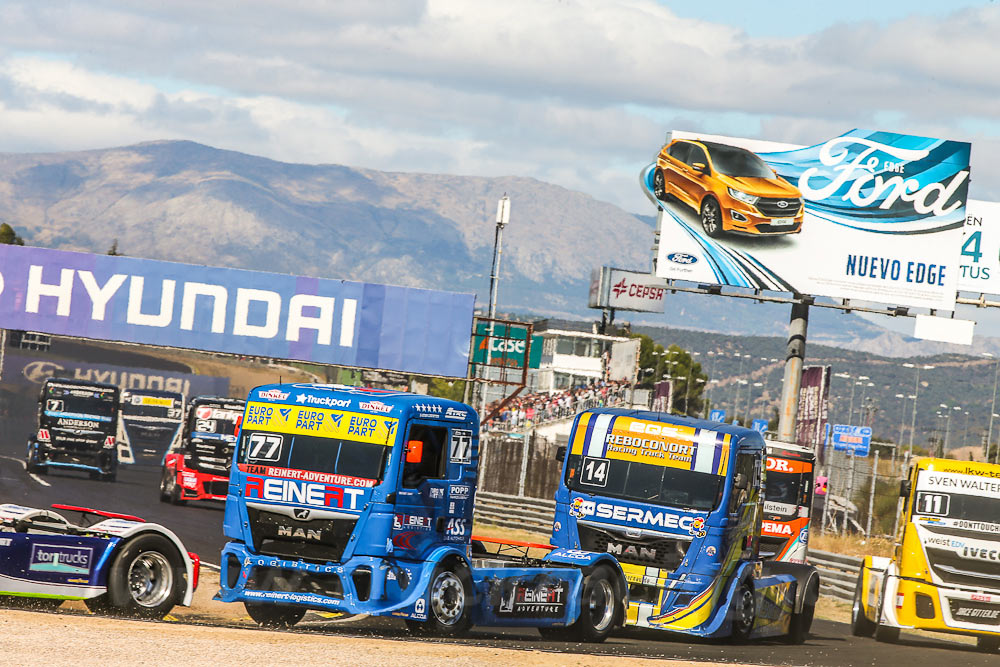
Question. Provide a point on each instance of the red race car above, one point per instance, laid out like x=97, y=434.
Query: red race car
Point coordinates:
x=198, y=467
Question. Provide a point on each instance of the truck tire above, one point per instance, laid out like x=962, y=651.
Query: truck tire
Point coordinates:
x=600, y=606
x=988, y=644
x=884, y=633
x=860, y=625
x=273, y=615
x=745, y=613
x=449, y=603
x=164, y=491
x=146, y=579
x=33, y=466
x=170, y=490
x=798, y=626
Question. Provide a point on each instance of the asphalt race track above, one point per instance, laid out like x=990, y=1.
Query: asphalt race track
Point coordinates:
x=199, y=525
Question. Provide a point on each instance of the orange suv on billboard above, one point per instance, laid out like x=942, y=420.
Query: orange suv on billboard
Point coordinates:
x=731, y=188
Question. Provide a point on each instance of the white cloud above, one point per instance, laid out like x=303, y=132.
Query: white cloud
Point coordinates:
x=558, y=90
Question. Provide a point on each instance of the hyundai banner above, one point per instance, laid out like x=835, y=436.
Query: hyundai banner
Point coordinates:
x=231, y=310
x=873, y=216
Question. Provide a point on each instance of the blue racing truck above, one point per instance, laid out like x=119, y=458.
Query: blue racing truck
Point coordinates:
x=679, y=503
x=360, y=501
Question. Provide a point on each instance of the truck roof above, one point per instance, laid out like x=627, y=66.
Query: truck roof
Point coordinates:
x=961, y=467
x=787, y=448
x=361, y=399
x=743, y=436
x=74, y=383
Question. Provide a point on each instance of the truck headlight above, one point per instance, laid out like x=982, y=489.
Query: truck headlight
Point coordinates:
x=739, y=195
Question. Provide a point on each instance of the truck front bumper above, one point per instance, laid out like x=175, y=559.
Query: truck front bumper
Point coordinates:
x=360, y=585
x=926, y=606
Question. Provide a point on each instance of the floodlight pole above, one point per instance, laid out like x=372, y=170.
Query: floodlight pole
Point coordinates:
x=503, y=217
x=795, y=352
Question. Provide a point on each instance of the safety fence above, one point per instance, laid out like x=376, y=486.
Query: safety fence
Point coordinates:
x=862, y=496
x=523, y=466
x=838, y=574
x=530, y=514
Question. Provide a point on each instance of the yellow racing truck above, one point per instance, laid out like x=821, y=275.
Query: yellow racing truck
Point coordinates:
x=945, y=572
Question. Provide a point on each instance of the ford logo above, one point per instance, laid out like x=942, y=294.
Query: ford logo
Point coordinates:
x=782, y=204
x=681, y=258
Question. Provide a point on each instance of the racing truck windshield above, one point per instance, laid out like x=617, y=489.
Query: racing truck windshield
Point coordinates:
x=784, y=492
x=157, y=408
x=644, y=482
x=737, y=162
x=80, y=403
x=208, y=420
x=974, y=501
x=364, y=460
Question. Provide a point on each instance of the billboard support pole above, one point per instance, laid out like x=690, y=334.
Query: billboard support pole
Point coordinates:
x=3, y=345
x=795, y=352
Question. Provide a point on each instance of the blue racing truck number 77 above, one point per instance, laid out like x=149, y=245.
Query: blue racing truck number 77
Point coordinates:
x=360, y=501
x=679, y=503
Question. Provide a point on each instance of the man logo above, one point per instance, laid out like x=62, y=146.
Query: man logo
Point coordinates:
x=300, y=514
x=39, y=371
x=682, y=258
x=619, y=288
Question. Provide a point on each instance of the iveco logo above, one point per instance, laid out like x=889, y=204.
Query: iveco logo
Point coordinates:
x=782, y=204
x=682, y=258
x=300, y=513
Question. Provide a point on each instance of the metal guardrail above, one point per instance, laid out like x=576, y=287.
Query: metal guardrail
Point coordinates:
x=838, y=574
x=501, y=509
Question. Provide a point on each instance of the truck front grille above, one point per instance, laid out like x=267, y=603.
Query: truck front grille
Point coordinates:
x=213, y=458
x=654, y=551
x=319, y=540
x=966, y=572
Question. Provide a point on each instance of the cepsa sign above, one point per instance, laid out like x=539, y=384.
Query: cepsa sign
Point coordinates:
x=626, y=290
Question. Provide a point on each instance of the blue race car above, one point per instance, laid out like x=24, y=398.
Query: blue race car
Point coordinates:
x=116, y=563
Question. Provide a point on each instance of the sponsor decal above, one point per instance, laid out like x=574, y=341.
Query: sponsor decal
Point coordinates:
x=771, y=507
x=647, y=517
x=43, y=435
x=936, y=481
x=429, y=409
x=109, y=442
x=290, y=491
x=710, y=550
x=459, y=491
x=60, y=559
x=682, y=257
x=374, y=406
x=75, y=423
x=308, y=476
x=272, y=394
x=5, y=541
x=776, y=528
x=153, y=401
x=436, y=492
x=411, y=522
x=544, y=597
x=327, y=401
x=189, y=480
x=321, y=422
x=301, y=513
x=461, y=446
x=697, y=527
x=453, y=413
x=208, y=412
x=420, y=608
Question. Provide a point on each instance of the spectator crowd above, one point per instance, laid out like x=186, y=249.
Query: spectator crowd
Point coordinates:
x=530, y=410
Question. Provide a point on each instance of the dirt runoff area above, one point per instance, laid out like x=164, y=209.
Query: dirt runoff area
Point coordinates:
x=218, y=634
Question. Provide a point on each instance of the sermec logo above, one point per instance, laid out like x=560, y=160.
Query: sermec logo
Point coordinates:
x=682, y=257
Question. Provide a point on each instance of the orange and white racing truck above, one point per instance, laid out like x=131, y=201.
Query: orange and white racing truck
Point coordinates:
x=788, y=491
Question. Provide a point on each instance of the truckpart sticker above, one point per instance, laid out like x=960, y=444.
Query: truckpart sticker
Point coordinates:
x=321, y=422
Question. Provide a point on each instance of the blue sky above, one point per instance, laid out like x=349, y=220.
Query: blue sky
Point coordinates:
x=787, y=18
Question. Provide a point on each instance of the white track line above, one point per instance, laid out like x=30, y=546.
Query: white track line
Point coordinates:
x=25, y=467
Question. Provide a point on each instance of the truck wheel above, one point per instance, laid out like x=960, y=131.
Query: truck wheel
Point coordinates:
x=745, y=613
x=860, y=625
x=990, y=644
x=146, y=578
x=274, y=616
x=599, y=607
x=659, y=185
x=798, y=626
x=711, y=218
x=33, y=466
x=164, y=490
x=450, y=597
x=170, y=490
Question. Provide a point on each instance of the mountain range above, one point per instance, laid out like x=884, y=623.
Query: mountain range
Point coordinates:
x=187, y=202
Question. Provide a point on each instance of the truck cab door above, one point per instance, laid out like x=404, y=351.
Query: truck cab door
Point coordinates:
x=744, y=516
x=433, y=506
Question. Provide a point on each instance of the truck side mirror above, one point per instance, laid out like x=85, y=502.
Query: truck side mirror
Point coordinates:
x=414, y=451
x=904, y=488
x=561, y=453
x=740, y=481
